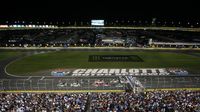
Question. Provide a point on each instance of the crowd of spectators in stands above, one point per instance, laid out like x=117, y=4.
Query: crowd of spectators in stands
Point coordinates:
x=72, y=38
x=157, y=101
x=154, y=101
x=95, y=38
x=45, y=102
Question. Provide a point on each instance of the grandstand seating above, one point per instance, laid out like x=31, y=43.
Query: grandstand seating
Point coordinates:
x=98, y=38
x=154, y=101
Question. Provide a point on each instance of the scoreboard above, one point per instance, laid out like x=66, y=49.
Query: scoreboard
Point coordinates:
x=97, y=22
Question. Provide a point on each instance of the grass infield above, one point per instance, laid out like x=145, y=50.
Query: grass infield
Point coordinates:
x=79, y=59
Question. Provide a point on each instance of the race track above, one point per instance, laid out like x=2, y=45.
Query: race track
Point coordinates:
x=8, y=82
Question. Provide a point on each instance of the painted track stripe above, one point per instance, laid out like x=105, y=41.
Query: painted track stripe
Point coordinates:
x=173, y=89
x=59, y=91
x=87, y=91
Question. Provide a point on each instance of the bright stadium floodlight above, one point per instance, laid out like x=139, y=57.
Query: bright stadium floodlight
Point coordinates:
x=3, y=26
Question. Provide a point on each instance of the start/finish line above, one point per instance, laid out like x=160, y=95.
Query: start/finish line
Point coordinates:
x=119, y=72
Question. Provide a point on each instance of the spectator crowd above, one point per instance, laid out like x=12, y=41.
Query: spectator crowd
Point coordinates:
x=157, y=101
x=45, y=102
x=152, y=101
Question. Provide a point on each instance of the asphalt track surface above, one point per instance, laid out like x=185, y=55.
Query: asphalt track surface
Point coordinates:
x=24, y=83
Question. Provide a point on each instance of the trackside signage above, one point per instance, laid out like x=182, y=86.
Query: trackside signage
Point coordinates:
x=118, y=72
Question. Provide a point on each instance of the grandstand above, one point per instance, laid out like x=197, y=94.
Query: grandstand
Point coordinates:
x=98, y=38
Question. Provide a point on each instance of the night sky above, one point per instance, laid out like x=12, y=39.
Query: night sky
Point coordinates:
x=83, y=10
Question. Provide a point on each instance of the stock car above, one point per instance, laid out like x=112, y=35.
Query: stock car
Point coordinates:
x=119, y=85
x=61, y=84
x=113, y=81
x=75, y=84
x=98, y=83
x=123, y=80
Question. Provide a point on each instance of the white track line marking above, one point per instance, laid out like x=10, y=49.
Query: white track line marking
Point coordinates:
x=29, y=78
x=42, y=78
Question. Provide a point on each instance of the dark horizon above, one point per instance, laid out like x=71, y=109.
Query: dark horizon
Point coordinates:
x=85, y=10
